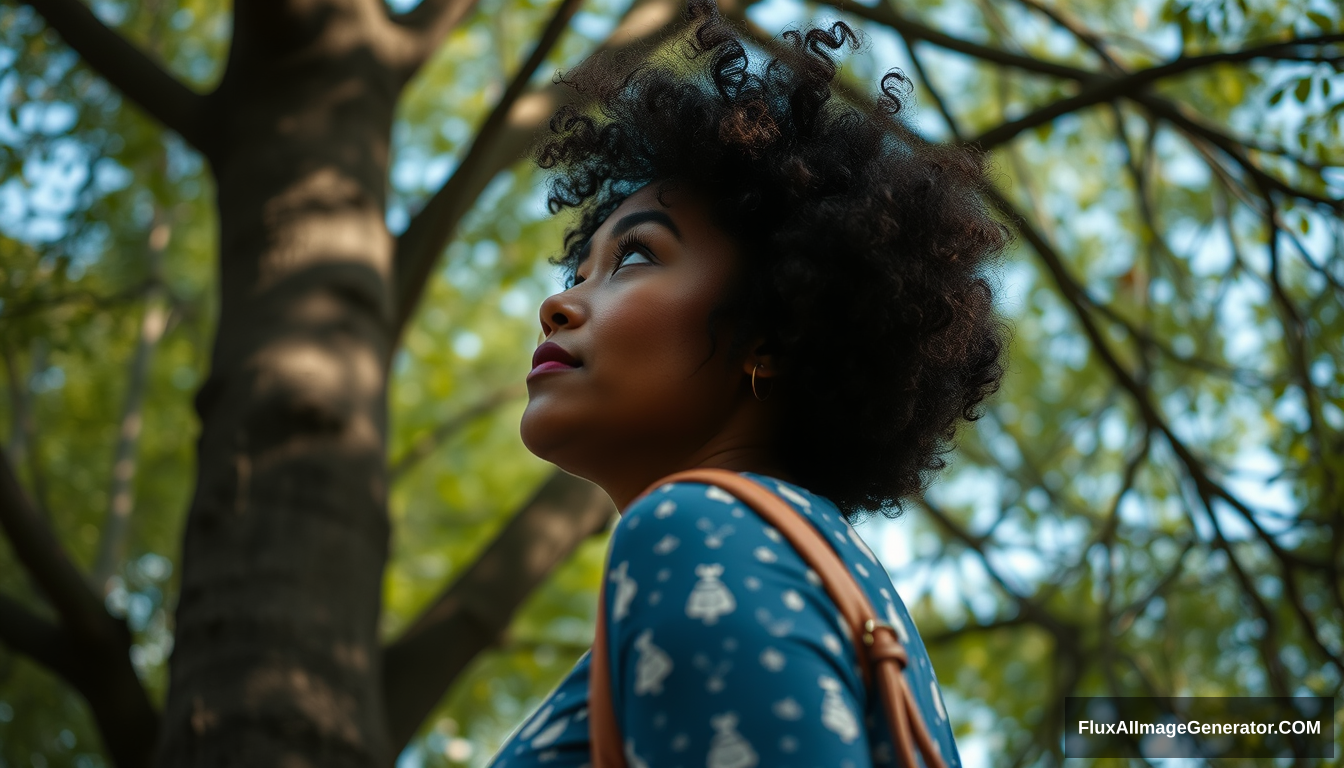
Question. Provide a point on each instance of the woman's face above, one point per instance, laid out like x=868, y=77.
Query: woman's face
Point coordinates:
x=633, y=390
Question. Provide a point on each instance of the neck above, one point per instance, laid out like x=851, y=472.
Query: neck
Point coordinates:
x=745, y=444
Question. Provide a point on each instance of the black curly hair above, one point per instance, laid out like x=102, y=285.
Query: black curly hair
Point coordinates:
x=864, y=247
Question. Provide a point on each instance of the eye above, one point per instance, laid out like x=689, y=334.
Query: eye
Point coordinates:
x=631, y=251
x=632, y=256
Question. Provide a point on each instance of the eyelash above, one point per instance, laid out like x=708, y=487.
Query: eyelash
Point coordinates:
x=628, y=242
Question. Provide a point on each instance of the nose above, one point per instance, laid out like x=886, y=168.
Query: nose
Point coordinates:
x=561, y=310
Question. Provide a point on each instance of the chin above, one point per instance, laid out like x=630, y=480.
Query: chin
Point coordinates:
x=545, y=434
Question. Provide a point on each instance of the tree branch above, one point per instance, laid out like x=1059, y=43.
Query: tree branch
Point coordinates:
x=37, y=548
x=129, y=69
x=419, y=246
x=913, y=30
x=426, y=443
x=1233, y=148
x=502, y=140
x=1133, y=83
x=427, y=25
x=91, y=649
x=474, y=611
x=35, y=637
x=121, y=495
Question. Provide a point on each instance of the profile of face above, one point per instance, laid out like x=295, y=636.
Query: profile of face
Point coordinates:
x=629, y=384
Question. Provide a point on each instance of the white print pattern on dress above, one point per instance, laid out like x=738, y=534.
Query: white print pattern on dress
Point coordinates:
x=666, y=544
x=772, y=534
x=714, y=536
x=633, y=760
x=812, y=577
x=728, y=749
x=793, y=601
x=862, y=571
x=738, y=513
x=714, y=673
x=787, y=709
x=858, y=542
x=552, y=732
x=776, y=627
x=710, y=598
x=832, y=644
x=625, y=591
x=772, y=659
x=894, y=619
x=655, y=598
x=835, y=714
x=680, y=742
x=788, y=745
x=665, y=574
x=718, y=494
x=535, y=724
x=764, y=555
x=793, y=496
x=665, y=509
x=937, y=700
x=752, y=583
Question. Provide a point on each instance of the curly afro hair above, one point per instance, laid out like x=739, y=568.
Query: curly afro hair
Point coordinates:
x=864, y=247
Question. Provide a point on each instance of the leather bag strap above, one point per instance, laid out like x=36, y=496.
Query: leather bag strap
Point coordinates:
x=880, y=652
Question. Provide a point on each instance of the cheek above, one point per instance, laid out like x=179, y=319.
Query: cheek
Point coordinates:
x=653, y=340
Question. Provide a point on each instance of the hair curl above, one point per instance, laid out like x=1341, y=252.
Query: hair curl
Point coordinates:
x=864, y=246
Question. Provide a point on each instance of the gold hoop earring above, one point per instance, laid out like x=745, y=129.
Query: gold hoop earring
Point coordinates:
x=756, y=394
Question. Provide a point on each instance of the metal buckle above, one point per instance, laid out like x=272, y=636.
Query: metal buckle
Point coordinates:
x=869, y=627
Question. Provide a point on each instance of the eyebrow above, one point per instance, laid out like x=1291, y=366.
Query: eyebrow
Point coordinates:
x=627, y=223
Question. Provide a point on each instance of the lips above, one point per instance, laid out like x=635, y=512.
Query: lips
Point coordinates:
x=552, y=357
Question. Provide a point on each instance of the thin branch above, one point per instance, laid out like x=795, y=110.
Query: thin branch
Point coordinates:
x=43, y=556
x=1232, y=147
x=92, y=651
x=419, y=247
x=23, y=438
x=129, y=69
x=427, y=25
x=1205, y=485
x=1087, y=37
x=428, y=442
x=121, y=496
x=951, y=635
x=953, y=126
x=35, y=637
x=913, y=30
x=472, y=613
x=1030, y=609
x=1130, y=84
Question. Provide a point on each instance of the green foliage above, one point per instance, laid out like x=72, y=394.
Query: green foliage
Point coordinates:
x=1094, y=561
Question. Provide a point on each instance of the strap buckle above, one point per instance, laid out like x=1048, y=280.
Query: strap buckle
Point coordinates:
x=870, y=626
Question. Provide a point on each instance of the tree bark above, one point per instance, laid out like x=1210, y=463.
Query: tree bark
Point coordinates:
x=276, y=660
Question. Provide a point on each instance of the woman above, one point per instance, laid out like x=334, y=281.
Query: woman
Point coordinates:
x=768, y=279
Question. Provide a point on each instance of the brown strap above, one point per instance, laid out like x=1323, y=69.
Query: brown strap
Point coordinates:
x=880, y=652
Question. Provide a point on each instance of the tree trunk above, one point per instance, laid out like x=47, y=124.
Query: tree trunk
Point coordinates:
x=276, y=660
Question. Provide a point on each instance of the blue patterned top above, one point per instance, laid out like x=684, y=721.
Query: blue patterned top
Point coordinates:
x=726, y=650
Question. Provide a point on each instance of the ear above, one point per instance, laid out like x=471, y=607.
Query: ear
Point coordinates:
x=762, y=356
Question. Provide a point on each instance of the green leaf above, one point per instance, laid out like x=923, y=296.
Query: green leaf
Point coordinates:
x=1303, y=90
x=1322, y=22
